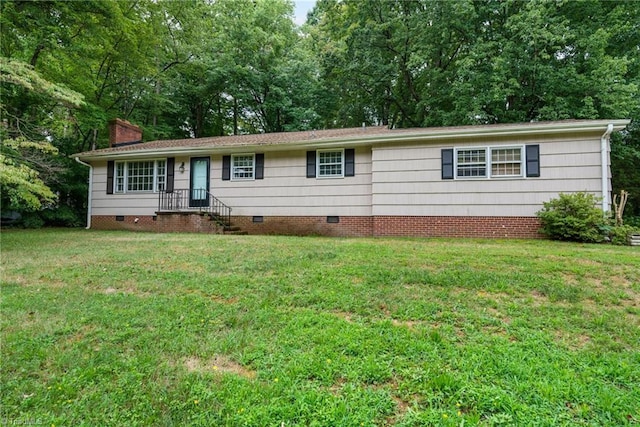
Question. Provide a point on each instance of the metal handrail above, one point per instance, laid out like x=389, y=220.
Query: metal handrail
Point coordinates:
x=203, y=202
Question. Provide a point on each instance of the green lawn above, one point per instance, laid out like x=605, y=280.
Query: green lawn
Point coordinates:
x=120, y=328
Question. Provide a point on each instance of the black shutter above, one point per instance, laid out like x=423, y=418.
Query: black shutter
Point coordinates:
x=533, y=160
x=349, y=162
x=226, y=168
x=447, y=163
x=259, y=173
x=110, y=167
x=171, y=164
x=311, y=164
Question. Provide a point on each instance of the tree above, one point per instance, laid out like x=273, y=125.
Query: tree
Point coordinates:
x=27, y=158
x=427, y=63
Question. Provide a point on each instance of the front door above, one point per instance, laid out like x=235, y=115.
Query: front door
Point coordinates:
x=199, y=184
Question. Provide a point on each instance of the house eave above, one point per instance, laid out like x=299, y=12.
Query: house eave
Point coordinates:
x=402, y=136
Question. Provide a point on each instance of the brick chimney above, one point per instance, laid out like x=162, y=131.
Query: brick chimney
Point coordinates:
x=121, y=132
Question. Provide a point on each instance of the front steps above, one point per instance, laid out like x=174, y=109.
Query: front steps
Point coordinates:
x=227, y=226
x=194, y=222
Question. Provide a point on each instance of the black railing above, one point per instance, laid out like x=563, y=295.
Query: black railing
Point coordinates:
x=195, y=201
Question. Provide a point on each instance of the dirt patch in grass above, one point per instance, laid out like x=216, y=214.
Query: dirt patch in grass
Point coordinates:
x=572, y=341
x=219, y=363
x=337, y=386
x=41, y=282
x=498, y=315
x=391, y=387
x=402, y=406
x=225, y=301
x=409, y=324
x=344, y=315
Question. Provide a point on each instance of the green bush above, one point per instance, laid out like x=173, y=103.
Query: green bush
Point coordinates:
x=619, y=235
x=632, y=220
x=573, y=217
x=32, y=220
x=62, y=216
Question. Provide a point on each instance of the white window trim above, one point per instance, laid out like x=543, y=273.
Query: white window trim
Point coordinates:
x=125, y=183
x=329, y=150
x=488, y=165
x=253, y=173
x=506, y=147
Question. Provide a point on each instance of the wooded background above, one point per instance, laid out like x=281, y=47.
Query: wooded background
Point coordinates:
x=194, y=68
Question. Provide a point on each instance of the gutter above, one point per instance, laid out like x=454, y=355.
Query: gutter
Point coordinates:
x=90, y=191
x=604, y=146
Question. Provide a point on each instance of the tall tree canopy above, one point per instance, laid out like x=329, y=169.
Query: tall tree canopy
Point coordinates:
x=426, y=63
x=209, y=67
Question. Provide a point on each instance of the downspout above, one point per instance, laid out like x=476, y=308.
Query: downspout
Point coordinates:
x=90, y=191
x=604, y=160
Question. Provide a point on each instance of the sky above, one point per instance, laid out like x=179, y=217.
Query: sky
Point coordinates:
x=302, y=7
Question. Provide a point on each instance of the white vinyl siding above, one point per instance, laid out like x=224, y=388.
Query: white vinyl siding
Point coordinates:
x=406, y=180
x=285, y=190
x=243, y=167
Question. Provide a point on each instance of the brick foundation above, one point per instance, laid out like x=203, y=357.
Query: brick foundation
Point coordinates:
x=457, y=226
x=161, y=223
x=348, y=226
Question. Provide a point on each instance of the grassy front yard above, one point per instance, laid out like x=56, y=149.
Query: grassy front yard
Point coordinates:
x=111, y=328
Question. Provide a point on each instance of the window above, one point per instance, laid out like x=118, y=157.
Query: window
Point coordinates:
x=472, y=163
x=120, y=177
x=242, y=166
x=140, y=176
x=330, y=164
x=506, y=161
x=493, y=162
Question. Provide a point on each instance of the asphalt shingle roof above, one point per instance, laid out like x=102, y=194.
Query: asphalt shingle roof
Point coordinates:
x=339, y=135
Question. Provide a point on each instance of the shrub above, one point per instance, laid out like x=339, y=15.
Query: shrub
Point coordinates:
x=32, y=220
x=62, y=216
x=632, y=220
x=620, y=234
x=573, y=217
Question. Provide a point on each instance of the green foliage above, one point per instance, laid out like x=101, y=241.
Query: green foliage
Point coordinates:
x=187, y=329
x=619, y=235
x=23, y=75
x=573, y=217
x=27, y=159
x=632, y=220
x=426, y=63
x=32, y=220
x=21, y=187
x=625, y=158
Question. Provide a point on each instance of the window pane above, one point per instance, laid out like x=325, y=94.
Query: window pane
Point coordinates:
x=472, y=163
x=506, y=162
x=243, y=166
x=119, y=178
x=330, y=163
x=161, y=174
x=140, y=176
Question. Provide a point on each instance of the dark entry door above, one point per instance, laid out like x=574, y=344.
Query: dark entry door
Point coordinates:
x=199, y=183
